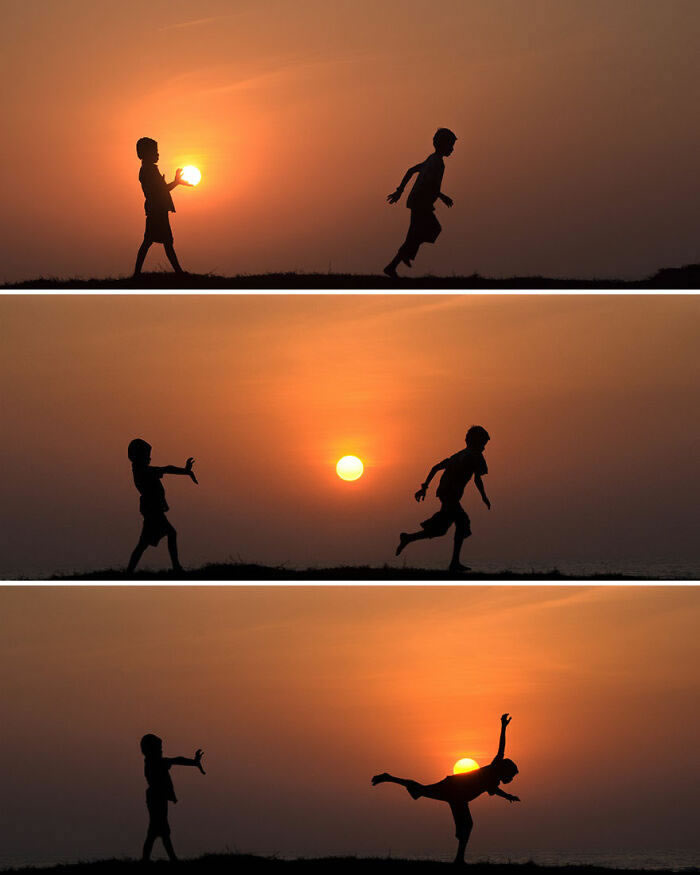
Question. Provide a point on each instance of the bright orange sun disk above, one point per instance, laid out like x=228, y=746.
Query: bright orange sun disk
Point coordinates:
x=466, y=764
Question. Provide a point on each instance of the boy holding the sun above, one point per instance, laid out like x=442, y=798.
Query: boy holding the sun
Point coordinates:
x=459, y=790
x=158, y=203
x=458, y=469
x=424, y=227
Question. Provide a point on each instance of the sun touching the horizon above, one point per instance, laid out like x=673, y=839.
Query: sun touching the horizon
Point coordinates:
x=349, y=468
x=466, y=764
x=191, y=174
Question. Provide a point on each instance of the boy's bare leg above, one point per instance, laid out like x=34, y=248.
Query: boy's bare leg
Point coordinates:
x=147, y=847
x=413, y=787
x=168, y=845
x=140, y=257
x=455, y=564
x=172, y=549
x=172, y=258
x=463, y=824
x=405, y=539
x=139, y=550
x=390, y=269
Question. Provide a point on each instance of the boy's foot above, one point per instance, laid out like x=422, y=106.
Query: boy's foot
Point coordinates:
x=407, y=262
x=457, y=566
x=403, y=542
x=390, y=271
x=380, y=779
x=178, y=569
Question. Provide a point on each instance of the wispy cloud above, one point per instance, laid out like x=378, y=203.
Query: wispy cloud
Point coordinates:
x=195, y=22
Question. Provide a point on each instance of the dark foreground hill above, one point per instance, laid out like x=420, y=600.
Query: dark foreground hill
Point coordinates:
x=357, y=573
x=687, y=277
x=245, y=864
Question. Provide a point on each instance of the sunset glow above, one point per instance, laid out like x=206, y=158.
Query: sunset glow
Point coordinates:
x=191, y=174
x=466, y=764
x=349, y=468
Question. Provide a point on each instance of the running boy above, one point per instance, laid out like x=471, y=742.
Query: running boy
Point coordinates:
x=424, y=227
x=458, y=469
x=459, y=790
x=153, y=505
x=158, y=203
x=160, y=791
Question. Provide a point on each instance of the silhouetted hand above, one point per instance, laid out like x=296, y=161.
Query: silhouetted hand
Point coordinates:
x=446, y=200
x=188, y=468
x=512, y=798
x=198, y=759
x=420, y=495
x=505, y=719
x=180, y=181
x=487, y=502
x=394, y=196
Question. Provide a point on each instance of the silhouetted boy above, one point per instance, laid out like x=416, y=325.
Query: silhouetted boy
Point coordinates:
x=158, y=203
x=458, y=472
x=153, y=505
x=424, y=227
x=459, y=790
x=160, y=791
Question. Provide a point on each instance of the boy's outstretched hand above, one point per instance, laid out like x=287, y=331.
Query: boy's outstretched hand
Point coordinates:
x=420, y=495
x=188, y=469
x=487, y=502
x=394, y=196
x=446, y=200
x=180, y=181
x=199, y=753
x=512, y=798
x=505, y=720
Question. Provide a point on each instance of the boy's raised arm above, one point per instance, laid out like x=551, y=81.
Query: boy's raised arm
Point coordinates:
x=505, y=720
x=395, y=195
x=420, y=495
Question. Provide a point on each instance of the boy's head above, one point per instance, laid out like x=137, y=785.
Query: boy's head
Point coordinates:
x=507, y=770
x=477, y=437
x=139, y=452
x=444, y=141
x=147, y=149
x=151, y=745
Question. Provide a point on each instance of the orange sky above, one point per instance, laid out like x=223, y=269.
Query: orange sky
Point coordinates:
x=577, y=144
x=591, y=403
x=299, y=695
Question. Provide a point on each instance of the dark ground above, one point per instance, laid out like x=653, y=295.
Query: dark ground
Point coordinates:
x=241, y=864
x=687, y=277
x=361, y=573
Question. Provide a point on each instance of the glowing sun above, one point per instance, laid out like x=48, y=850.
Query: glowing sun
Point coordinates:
x=466, y=764
x=349, y=468
x=191, y=174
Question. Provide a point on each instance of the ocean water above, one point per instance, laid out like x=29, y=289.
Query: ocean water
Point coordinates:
x=668, y=569
x=670, y=860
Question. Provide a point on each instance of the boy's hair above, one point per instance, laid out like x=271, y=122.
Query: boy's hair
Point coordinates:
x=507, y=770
x=138, y=450
x=477, y=434
x=145, y=147
x=150, y=744
x=444, y=137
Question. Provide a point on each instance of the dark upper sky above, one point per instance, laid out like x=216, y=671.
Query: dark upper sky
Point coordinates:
x=577, y=147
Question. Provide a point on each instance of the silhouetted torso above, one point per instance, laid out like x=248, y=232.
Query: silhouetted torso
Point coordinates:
x=426, y=188
x=160, y=784
x=458, y=473
x=469, y=785
x=155, y=189
x=147, y=480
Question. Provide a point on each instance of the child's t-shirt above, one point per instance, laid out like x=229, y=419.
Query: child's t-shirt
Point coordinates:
x=157, y=772
x=469, y=785
x=147, y=480
x=426, y=188
x=155, y=189
x=458, y=473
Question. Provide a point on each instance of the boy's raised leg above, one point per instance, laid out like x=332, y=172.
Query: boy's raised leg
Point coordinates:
x=405, y=539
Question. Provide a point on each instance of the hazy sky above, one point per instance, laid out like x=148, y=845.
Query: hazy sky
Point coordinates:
x=298, y=696
x=591, y=403
x=577, y=149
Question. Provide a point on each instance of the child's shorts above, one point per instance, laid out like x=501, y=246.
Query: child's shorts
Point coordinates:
x=155, y=527
x=158, y=228
x=158, y=815
x=450, y=512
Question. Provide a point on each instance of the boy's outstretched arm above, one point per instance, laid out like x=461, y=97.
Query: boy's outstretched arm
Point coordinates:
x=178, y=180
x=185, y=761
x=504, y=795
x=505, y=720
x=420, y=495
x=395, y=195
x=172, y=469
x=446, y=199
x=479, y=483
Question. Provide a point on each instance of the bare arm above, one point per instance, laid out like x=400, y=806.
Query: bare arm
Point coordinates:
x=479, y=483
x=395, y=195
x=185, y=761
x=505, y=720
x=420, y=495
x=504, y=795
x=173, y=469
x=178, y=180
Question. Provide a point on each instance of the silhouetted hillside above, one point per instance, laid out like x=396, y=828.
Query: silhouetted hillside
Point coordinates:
x=242, y=864
x=687, y=277
x=243, y=571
